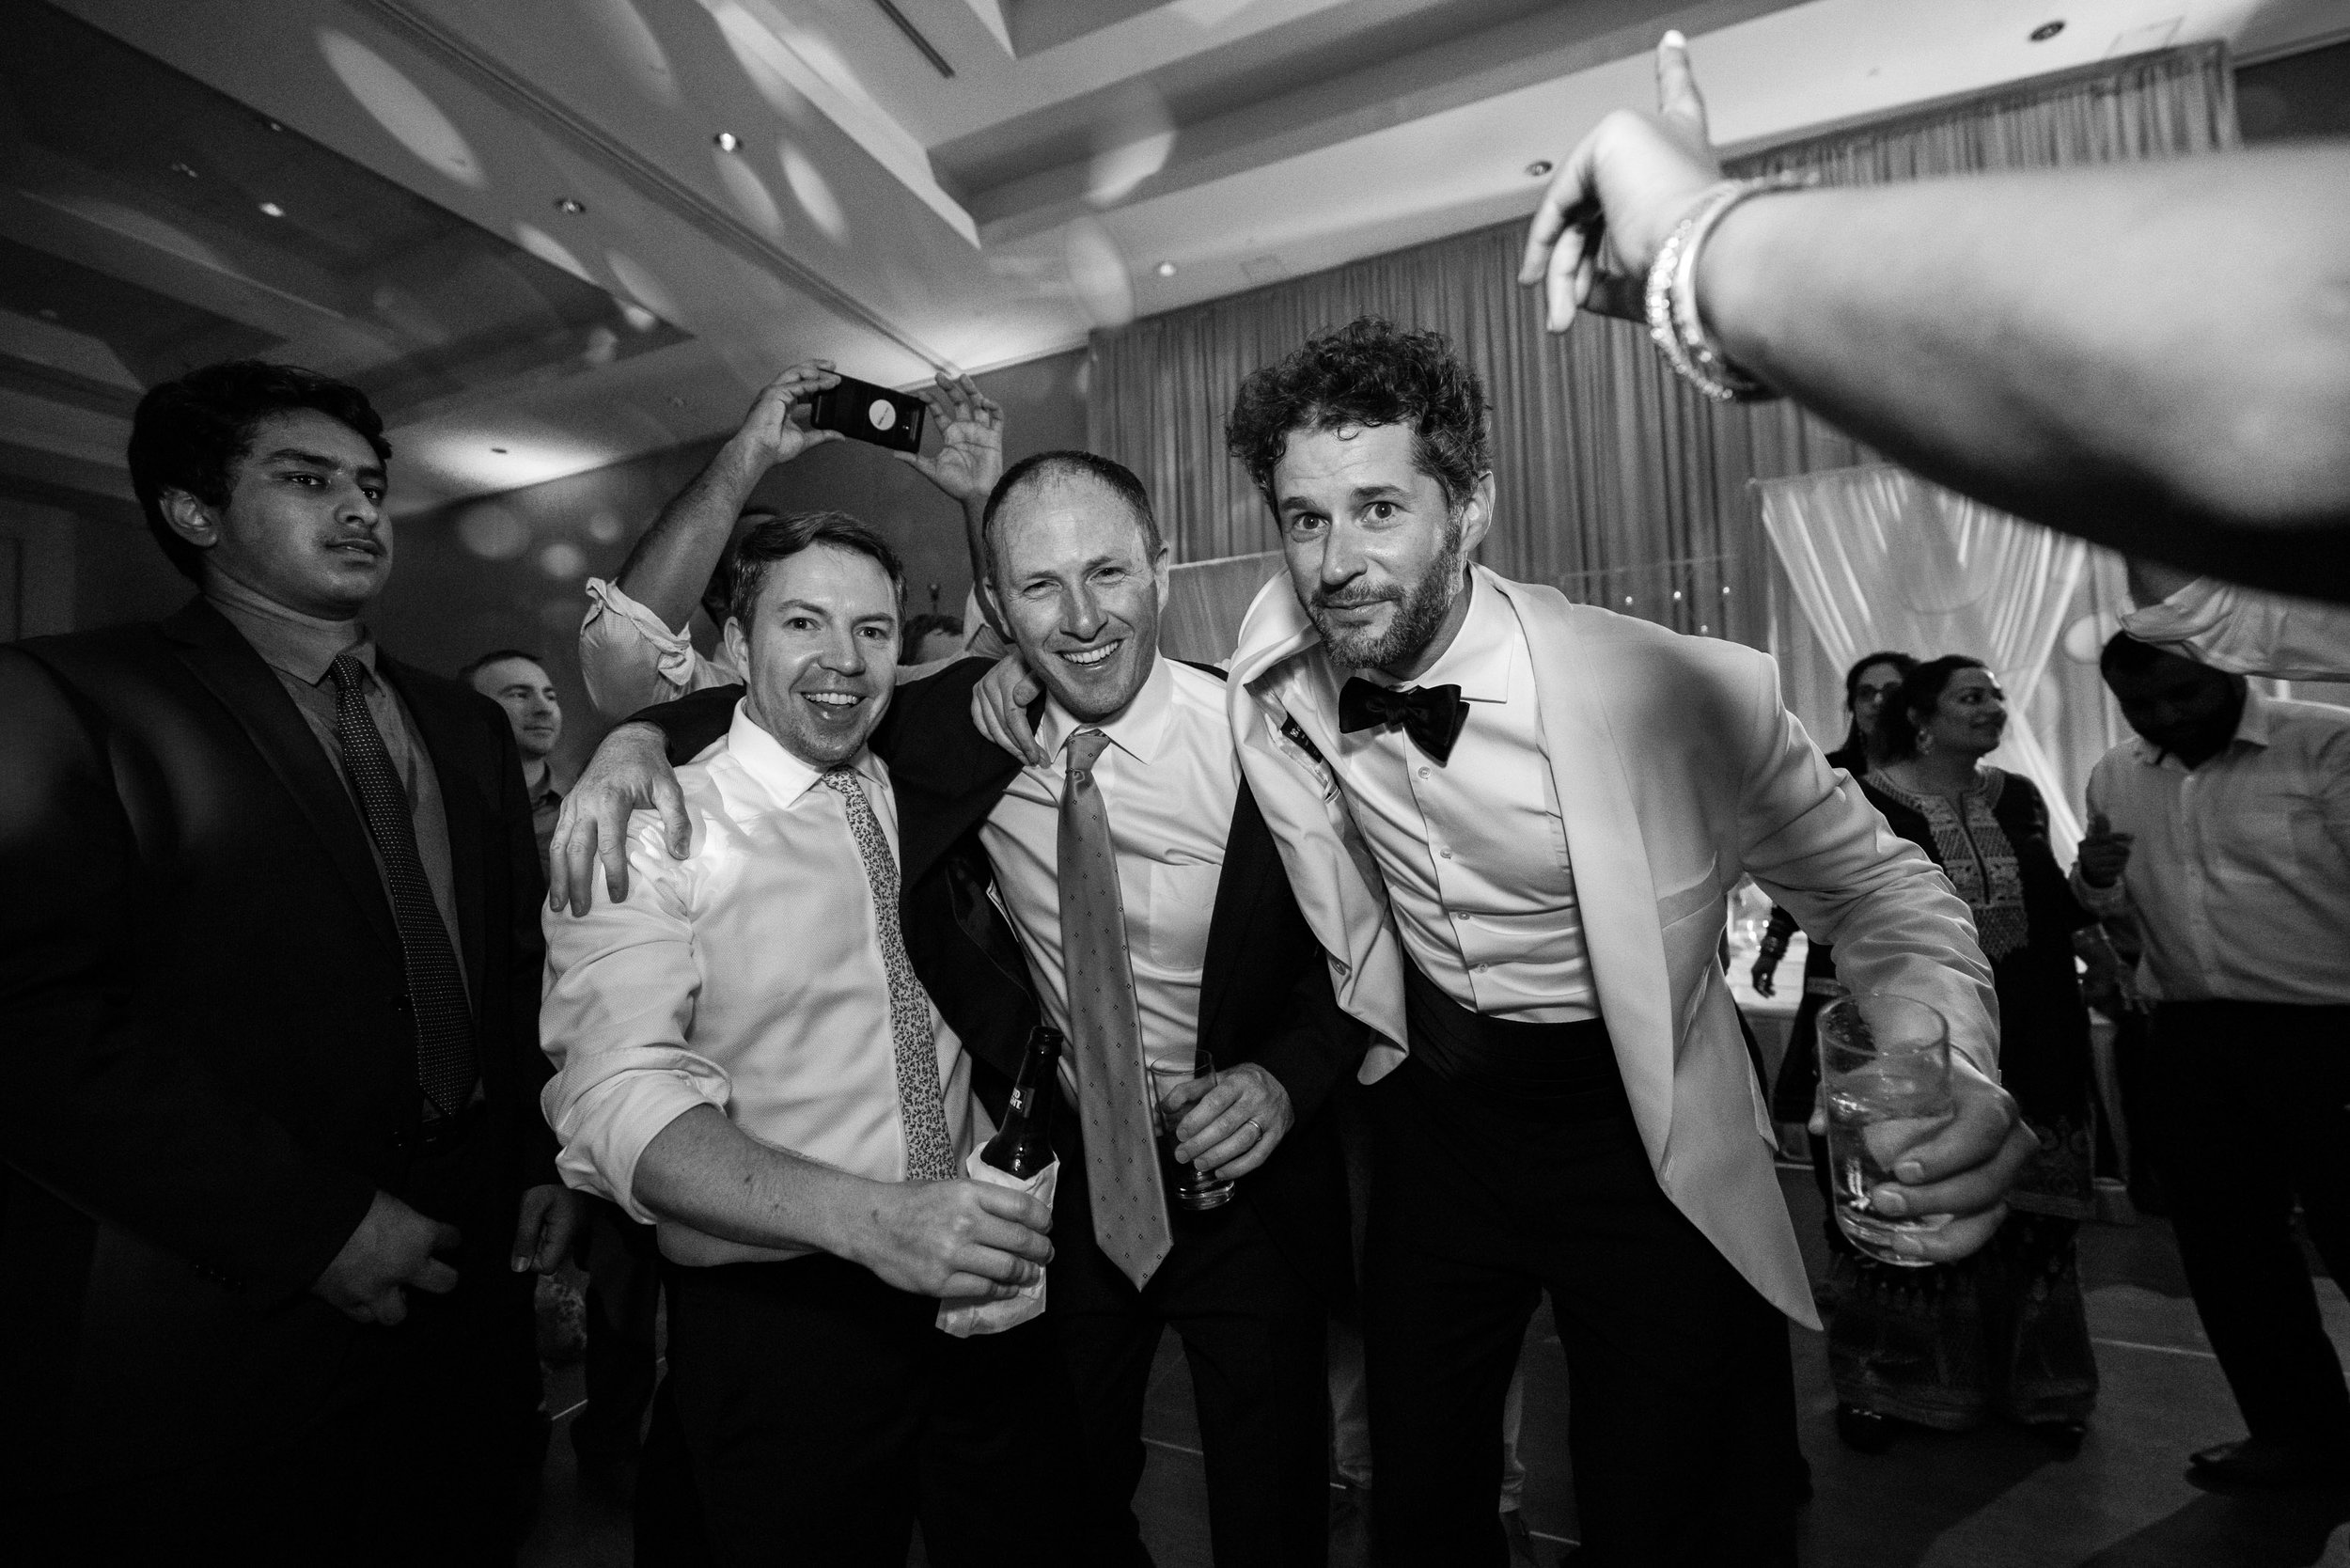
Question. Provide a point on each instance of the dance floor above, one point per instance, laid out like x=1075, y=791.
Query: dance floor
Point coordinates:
x=1994, y=1498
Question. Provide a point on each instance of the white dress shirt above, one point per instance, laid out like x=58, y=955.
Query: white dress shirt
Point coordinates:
x=2239, y=875
x=1168, y=780
x=2248, y=632
x=630, y=660
x=747, y=976
x=1473, y=848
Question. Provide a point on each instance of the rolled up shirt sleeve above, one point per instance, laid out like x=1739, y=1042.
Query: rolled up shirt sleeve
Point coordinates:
x=615, y=1018
x=630, y=660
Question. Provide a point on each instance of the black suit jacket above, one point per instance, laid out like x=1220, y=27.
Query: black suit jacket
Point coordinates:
x=208, y=1063
x=1265, y=993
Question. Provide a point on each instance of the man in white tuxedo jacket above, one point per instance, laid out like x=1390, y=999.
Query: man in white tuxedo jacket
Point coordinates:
x=1512, y=822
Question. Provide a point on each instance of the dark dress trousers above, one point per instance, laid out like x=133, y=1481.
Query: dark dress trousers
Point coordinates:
x=1248, y=1286
x=211, y=1072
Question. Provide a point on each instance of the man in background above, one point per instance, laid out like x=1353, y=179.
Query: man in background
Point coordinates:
x=268, y=987
x=2224, y=831
x=634, y=649
x=623, y=1296
x=519, y=683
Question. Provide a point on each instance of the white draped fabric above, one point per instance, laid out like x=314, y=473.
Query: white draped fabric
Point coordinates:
x=1880, y=558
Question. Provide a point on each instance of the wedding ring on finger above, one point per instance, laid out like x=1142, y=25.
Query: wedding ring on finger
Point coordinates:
x=1252, y=1121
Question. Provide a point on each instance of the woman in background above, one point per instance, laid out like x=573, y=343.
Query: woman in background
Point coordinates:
x=1868, y=686
x=2005, y=1330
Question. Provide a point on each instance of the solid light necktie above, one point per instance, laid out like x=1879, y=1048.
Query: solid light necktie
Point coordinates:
x=922, y=1104
x=1130, y=1219
x=437, y=1009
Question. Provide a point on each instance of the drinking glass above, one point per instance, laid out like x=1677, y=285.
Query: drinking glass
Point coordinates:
x=1192, y=1187
x=1885, y=1073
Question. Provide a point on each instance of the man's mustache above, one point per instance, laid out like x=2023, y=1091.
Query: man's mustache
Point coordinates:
x=1357, y=600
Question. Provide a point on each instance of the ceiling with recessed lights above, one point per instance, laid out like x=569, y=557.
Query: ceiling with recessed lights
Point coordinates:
x=554, y=234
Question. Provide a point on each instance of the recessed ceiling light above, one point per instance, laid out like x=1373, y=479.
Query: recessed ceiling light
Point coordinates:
x=1167, y=269
x=269, y=124
x=570, y=206
x=273, y=209
x=184, y=167
x=1539, y=168
x=499, y=450
x=2045, y=31
x=727, y=141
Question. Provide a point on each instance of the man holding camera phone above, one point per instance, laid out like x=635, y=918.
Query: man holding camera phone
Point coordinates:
x=634, y=649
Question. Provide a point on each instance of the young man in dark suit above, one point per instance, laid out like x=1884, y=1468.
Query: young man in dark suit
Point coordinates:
x=1155, y=921
x=269, y=977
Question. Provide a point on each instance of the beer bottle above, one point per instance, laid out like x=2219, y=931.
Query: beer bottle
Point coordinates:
x=1023, y=1146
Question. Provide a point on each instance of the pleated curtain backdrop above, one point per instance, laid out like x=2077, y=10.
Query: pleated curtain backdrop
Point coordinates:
x=1615, y=482
x=1877, y=557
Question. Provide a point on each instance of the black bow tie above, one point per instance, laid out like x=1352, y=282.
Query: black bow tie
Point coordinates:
x=1431, y=715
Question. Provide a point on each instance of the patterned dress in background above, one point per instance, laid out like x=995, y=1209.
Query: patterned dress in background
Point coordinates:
x=2004, y=1332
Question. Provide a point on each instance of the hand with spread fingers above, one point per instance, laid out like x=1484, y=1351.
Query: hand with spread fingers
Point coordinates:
x=1232, y=1122
x=970, y=455
x=1964, y=1170
x=1618, y=196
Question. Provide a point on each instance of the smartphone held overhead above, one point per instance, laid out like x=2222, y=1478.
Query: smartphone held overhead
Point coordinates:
x=864, y=412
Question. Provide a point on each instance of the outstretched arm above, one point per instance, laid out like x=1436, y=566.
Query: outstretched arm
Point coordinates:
x=2152, y=355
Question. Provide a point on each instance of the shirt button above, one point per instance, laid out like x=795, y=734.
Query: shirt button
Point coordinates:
x=1423, y=772
x=1447, y=853
x=1482, y=967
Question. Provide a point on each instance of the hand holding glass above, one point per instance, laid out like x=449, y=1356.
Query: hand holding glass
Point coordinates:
x=1191, y=1188
x=1885, y=1076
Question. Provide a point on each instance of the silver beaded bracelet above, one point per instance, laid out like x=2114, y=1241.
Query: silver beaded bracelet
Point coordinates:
x=1671, y=300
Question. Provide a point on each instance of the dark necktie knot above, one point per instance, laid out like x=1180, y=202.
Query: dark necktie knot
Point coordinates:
x=1431, y=716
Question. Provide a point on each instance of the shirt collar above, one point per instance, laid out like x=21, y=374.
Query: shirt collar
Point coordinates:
x=301, y=645
x=774, y=767
x=1140, y=731
x=1479, y=660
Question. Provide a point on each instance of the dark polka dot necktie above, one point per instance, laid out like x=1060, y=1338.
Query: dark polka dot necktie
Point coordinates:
x=1105, y=1028
x=436, y=989
x=922, y=1104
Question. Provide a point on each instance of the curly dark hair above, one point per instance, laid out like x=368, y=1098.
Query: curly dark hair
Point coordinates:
x=1920, y=693
x=191, y=433
x=1367, y=372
